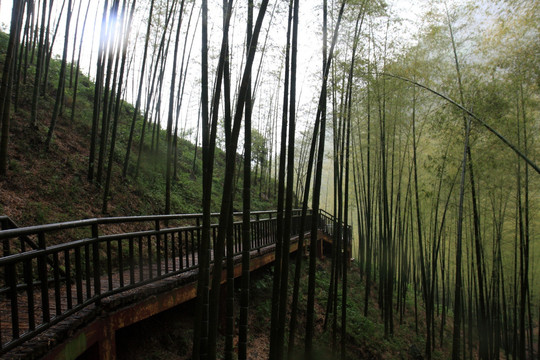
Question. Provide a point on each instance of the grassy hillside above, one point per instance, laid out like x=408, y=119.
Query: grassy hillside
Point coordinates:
x=51, y=185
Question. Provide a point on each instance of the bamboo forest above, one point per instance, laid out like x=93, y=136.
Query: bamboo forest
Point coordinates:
x=367, y=173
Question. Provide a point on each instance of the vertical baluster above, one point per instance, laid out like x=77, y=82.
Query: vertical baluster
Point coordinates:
x=67, y=262
x=262, y=232
x=214, y=237
x=6, y=251
x=78, y=275
x=254, y=238
x=28, y=279
x=56, y=274
x=158, y=249
x=97, y=271
x=12, y=283
x=131, y=262
x=173, y=250
x=166, y=251
x=192, y=248
x=239, y=237
x=120, y=263
x=261, y=241
x=233, y=235
x=253, y=244
x=270, y=236
x=258, y=240
x=268, y=230
x=265, y=234
x=23, y=244
x=239, y=240
x=180, y=250
x=141, y=269
x=42, y=265
x=150, y=270
x=196, y=249
x=236, y=242
x=109, y=265
x=186, y=237
x=262, y=225
x=88, y=273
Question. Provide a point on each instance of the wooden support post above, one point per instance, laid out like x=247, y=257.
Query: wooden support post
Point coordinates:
x=107, y=344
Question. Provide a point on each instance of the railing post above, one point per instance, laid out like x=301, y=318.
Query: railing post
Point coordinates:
x=193, y=249
x=269, y=228
x=258, y=240
x=42, y=265
x=29, y=293
x=12, y=284
x=97, y=272
x=158, y=249
x=198, y=223
x=6, y=251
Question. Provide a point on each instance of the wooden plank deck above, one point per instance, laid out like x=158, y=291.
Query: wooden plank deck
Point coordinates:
x=70, y=297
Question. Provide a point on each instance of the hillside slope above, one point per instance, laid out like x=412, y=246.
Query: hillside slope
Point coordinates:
x=50, y=185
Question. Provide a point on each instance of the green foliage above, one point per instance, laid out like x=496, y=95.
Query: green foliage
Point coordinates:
x=61, y=192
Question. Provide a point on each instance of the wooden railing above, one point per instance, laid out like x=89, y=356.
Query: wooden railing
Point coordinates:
x=78, y=263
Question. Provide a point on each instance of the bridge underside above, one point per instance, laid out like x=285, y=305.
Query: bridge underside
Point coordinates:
x=92, y=333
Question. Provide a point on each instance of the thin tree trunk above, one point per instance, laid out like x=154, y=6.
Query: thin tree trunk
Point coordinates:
x=209, y=128
x=75, y=43
x=321, y=114
x=23, y=49
x=139, y=92
x=50, y=45
x=284, y=281
x=229, y=331
x=457, y=291
x=246, y=218
x=346, y=238
x=305, y=202
x=127, y=31
x=170, y=157
x=61, y=80
x=77, y=70
x=200, y=332
x=98, y=88
x=39, y=65
x=6, y=85
x=276, y=286
x=228, y=184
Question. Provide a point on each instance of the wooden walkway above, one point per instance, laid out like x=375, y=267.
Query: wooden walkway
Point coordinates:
x=130, y=306
x=70, y=295
x=53, y=297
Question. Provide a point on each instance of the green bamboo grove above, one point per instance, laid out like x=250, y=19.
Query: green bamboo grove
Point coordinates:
x=421, y=133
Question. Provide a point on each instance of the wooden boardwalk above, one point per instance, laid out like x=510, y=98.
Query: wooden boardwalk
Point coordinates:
x=70, y=295
x=54, y=296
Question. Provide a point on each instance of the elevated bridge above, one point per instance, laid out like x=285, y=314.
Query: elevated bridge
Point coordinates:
x=66, y=288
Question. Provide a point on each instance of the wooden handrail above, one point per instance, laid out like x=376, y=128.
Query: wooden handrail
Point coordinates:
x=85, y=269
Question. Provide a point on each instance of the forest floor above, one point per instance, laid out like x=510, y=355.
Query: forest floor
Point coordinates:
x=169, y=335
